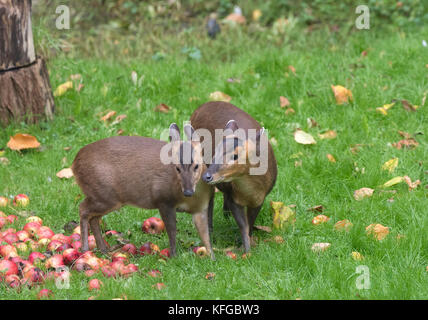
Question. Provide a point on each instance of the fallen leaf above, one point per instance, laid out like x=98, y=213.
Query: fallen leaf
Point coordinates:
x=22, y=141
x=331, y=158
x=384, y=109
x=289, y=111
x=390, y=165
x=235, y=18
x=321, y=246
x=393, y=182
x=343, y=225
x=118, y=119
x=210, y=275
x=163, y=108
x=405, y=135
x=108, y=116
x=159, y=286
x=408, y=106
x=257, y=13
x=318, y=208
x=330, y=134
x=292, y=69
x=319, y=219
x=220, y=96
x=61, y=89
x=298, y=163
x=66, y=173
x=284, y=102
x=282, y=215
x=357, y=256
x=362, y=193
x=311, y=123
x=303, y=138
x=408, y=143
x=341, y=94
x=378, y=231
x=412, y=185
x=264, y=228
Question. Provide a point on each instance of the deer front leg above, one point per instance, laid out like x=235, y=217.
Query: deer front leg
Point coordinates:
x=241, y=219
x=201, y=223
x=168, y=215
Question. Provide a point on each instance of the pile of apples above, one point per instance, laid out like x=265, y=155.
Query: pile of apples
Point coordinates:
x=35, y=253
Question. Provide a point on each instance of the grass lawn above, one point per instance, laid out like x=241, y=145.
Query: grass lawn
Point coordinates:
x=394, y=68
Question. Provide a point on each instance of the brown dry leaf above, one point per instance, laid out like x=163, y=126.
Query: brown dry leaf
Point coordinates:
x=405, y=135
x=108, y=116
x=66, y=173
x=220, y=96
x=342, y=94
x=210, y=276
x=344, y=225
x=283, y=102
x=22, y=141
x=390, y=165
x=264, y=228
x=362, y=193
x=408, y=143
x=412, y=185
x=235, y=18
x=378, y=231
x=292, y=69
x=319, y=219
x=282, y=215
x=118, y=119
x=162, y=108
x=331, y=158
x=303, y=138
x=330, y=134
x=407, y=105
x=321, y=246
x=318, y=208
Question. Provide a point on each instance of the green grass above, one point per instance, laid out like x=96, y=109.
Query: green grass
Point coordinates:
x=393, y=68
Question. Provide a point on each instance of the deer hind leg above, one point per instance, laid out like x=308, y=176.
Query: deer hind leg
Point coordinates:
x=96, y=230
x=252, y=214
x=242, y=221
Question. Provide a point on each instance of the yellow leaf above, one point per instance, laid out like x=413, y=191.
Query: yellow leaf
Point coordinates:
x=357, y=256
x=220, y=96
x=390, y=165
x=330, y=134
x=362, y=193
x=22, y=141
x=257, y=14
x=378, y=231
x=282, y=215
x=384, y=109
x=66, y=173
x=393, y=182
x=63, y=88
x=320, y=219
x=303, y=138
x=342, y=94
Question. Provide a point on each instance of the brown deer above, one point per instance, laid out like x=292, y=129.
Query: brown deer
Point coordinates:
x=230, y=168
x=119, y=171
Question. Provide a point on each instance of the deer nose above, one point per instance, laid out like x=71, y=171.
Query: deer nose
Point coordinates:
x=207, y=177
x=188, y=193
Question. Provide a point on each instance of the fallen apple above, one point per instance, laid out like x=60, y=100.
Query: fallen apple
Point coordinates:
x=8, y=267
x=129, y=248
x=21, y=247
x=70, y=255
x=13, y=281
x=34, y=219
x=147, y=248
x=165, y=253
x=75, y=237
x=44, y=294
x=12, y=218
x=61, y=238
x=23, y=235
x=108, y=272
x=8, y=251
x=200, y=251
x=119, y=256
x=33, y=275
x=55, y=261
x=95, y=284
x=231, y=255
x=21, y=200
x=45, y=233
x=154, y=273
x=153, y=225
x=10, y=238
x=54, y=245
x=43, y=242
x=4, y=202
x=32, y=228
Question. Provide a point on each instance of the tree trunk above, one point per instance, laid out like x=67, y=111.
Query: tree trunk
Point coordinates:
x=25, y=91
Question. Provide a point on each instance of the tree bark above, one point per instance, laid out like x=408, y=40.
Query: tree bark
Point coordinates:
x=25, y=91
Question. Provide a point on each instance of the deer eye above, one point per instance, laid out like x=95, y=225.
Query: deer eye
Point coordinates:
x=235, y=157
x=196, y=167
x=178, y=169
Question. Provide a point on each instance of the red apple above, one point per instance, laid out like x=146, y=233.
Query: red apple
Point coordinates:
x=36, y=257
x=128, y=270
x=108, y=272
x=94, y=262
x=34, y=219
x=23, y=235
x=148, y=248
x=165, y=253
x=54, y=245
x=76, y=245
x=7, y=231
x=12, y=218
x=21, y=200
x=153, y=225
x=119, y=256
x=33, y=244
x=45, y=233
x=80, y=265
x=32, y=228
x=8, y=251
x=231, y=255
x=21, y=247
x=129, y=248
x=4, y=202
x=10, y=238
x=75, y=237
x=91, y=242
x=200, y=251
x=70, y=255
x=8, y=267
x=154, y=273
x=33, y=275
x=13, y=281
x=89, y=273
x=117, y=266
x=63, y=247
x=44, y=294
x=55, y=261
x=111, y=233
x=95, y=284
x=61, y=238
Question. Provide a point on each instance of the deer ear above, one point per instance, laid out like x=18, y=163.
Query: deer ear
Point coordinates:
x=232, y=125
x=174, y=132
x=190, y=132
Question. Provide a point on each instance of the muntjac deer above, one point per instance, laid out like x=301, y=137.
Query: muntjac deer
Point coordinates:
x=119, y=171
x=230, y=168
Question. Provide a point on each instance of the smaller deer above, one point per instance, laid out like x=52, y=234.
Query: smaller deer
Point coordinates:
x=119, y=171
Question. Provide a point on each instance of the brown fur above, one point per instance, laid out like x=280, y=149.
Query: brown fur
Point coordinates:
x=240, y=190
x=120, y=171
